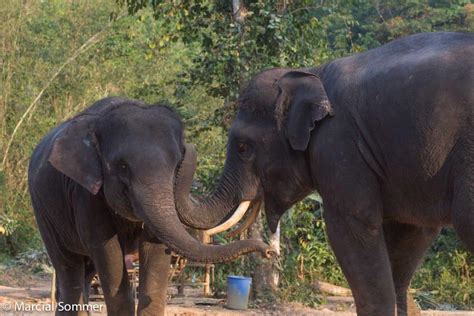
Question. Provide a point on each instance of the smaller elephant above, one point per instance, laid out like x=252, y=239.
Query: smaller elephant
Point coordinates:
x=102, y=185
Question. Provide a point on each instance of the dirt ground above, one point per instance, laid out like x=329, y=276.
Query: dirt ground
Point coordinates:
x=33, y=298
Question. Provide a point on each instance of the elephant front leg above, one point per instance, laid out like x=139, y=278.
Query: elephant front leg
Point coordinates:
x=110, y=264
x=69, y=284
x=360, y=250
x=354, y=215
x=154, y=273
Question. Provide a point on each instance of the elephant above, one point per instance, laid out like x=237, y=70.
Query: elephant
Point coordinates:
x=385, y=136
x=102, y=185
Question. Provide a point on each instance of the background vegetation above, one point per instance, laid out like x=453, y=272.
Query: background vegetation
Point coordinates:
x=57, y=57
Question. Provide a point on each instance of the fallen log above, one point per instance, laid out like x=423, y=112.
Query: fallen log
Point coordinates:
x=331, y=289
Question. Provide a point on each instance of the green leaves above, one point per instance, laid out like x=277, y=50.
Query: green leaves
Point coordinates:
x=306, y=254
x=446, y=275
x=296, y=34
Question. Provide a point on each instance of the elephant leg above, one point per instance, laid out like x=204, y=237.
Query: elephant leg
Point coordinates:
x=69, y=267
x=89, y=274
x=69, y=284
x=361, y=252
x=463, y=206
x=110, y=264
x=406, y=245
x=96, y=229
x=154, y=273
x=354, y=219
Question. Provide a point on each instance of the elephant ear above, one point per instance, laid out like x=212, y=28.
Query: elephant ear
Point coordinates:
x=302, y=102
x=75, y=153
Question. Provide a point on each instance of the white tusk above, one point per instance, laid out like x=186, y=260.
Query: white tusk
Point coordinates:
x=249, y=221
x=234, y=219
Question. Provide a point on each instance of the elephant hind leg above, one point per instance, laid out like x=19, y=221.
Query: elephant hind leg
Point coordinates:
x=463, y=206
x=406, y=245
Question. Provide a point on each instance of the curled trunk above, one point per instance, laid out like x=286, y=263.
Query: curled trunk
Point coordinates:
x=212, y=210
x=162, y=221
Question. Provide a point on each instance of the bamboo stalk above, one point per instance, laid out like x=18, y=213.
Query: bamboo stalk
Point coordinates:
x=83, y=48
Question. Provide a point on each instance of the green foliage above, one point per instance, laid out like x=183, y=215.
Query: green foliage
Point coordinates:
x=446, y=275
x=306, y=249
x=125, y=60
x=306, y=254
x=300, y=33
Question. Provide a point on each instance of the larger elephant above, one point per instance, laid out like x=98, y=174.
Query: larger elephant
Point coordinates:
x=104, y=179
x=385, y=136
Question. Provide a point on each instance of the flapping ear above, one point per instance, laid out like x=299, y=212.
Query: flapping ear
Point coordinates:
x=75, y=154
x=302, y=102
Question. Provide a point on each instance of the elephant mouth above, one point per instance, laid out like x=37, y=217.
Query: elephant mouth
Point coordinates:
x=130, y=216
x=273, y=214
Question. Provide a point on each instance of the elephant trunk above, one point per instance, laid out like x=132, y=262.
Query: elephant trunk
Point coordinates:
x=212, y=210
x=161, y=219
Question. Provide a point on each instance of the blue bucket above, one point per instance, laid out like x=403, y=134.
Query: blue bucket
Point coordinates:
x=238, y=290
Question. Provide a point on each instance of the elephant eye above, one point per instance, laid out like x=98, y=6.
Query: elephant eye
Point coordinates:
x=122, y=166
x=242, y=148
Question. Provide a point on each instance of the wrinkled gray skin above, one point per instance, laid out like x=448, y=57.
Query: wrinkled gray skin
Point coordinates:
x=385, y=136
x=95, y=181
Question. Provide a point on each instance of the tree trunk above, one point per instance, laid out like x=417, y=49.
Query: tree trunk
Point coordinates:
x=274, y=273
x=238, y=10
x=265, y=272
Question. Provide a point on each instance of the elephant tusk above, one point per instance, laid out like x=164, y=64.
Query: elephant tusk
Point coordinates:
x=249, y=221
x=234, y=219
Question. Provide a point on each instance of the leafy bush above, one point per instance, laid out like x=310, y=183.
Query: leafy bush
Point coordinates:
x=446, y=275
x=306, y=254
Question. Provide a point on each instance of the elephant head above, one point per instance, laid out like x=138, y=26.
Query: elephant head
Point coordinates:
x=267, y=149
x=129, y=153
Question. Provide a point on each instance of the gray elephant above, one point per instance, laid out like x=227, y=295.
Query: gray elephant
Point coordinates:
x=100, y=182
x=385, y=136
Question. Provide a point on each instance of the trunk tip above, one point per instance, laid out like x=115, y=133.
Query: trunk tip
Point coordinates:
x=267, y=251
x=270, y=253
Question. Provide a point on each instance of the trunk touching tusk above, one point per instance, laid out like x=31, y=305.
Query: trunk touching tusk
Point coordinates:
x=249, y=221
x=234, y=219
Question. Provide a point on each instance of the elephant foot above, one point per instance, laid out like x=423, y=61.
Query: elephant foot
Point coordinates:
x=412, y=307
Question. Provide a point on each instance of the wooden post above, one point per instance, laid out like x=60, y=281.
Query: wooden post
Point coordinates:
x=53, y=289
x=206, y=239
x=265, y=274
